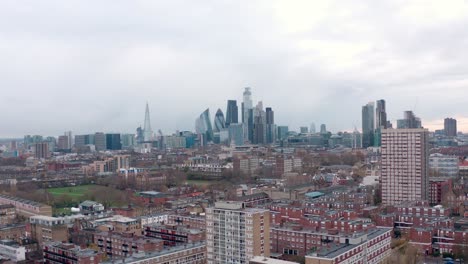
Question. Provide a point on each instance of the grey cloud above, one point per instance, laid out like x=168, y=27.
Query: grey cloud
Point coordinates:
x=91, y=65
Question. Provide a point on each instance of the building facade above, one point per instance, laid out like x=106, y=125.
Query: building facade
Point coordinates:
x=236, y=234
x=404, y=165
x=443, y=165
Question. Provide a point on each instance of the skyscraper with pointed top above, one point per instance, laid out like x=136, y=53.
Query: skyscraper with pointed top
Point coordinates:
x=147, y=131
x=219, y=122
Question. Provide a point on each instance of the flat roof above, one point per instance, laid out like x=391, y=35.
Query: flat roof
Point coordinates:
x=140, y=257
x=314, y=194
x=259, y=259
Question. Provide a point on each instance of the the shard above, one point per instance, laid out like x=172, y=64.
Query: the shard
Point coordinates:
x=147, y=131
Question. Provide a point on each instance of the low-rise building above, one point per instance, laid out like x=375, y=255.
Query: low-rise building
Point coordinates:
x=7, y=214
x=46, y=228
x=153, y=219
x=372, y=247
x=192, y=221
x=117, y=245
x=11, y=250
x=58, y=252
x=91, y=207
x=186, y=254
x=119, y=224
x=26, y=207
x=174, y=235
x=13, y=232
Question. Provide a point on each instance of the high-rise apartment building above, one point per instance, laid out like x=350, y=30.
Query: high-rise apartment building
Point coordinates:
x=368, y=125
x=404, y=165
x=236, y=234
x=450, y=127
x=232, y=113
x=41, y=150
x=304, y=130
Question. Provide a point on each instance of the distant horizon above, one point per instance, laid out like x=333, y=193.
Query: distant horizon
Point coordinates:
x=436, y=125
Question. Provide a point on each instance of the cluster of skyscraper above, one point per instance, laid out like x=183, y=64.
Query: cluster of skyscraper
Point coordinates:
x=257, y=124
x=374, y=119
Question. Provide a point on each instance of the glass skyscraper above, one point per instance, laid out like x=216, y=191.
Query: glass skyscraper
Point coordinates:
x=203, y=125
x=232, y=112
x=368, y=126
x=219, y=122
x=236, y=134
x=270, y=126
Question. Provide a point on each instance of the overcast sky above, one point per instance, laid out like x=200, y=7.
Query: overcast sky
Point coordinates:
x=91, y=66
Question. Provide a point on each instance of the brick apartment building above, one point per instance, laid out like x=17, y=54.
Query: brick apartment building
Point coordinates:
x=371, y=247
x=174, y=235
x=58, y=252
x=117, y=245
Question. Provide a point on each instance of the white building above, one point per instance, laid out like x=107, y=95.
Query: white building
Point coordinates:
x=236, y=234
x=153, y=219
x=12, y=251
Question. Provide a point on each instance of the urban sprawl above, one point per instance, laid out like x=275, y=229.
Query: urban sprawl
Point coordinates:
x=239, y=189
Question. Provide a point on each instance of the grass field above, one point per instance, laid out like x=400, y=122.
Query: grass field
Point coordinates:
x=72, y=191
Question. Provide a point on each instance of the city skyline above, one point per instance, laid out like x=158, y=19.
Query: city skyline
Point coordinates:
x=233, y=132
x=438, y=125
x=328, y=59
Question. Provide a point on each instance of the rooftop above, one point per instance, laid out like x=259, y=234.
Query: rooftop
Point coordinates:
x=334, y=250
x=72, y=248
x=6, y=206
x=152, y=194
x=266, y=260
x=314, y=194
x=337, y=249
x=140, y=257
x=116, y=218
x=21, y=200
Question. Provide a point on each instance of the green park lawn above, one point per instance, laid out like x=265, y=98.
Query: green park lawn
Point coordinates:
x=71, y=191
